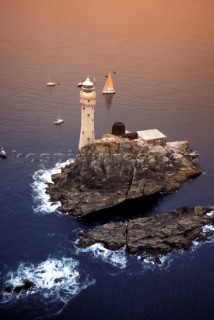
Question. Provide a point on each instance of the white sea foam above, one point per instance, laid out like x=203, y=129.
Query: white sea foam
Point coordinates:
x=205, y=229
x=120, y=258
x=41, y=199
x=162, y=261
x=195, y=245
x=208, y=228
x=210, y=214
x=116, y=258
x=166, y=260
x=54, y=279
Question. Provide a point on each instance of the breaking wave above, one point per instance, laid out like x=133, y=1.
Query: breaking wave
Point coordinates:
x=41, y=199
x=122, y=260
x=161, y=262
x=208, y=232
x=165, y=261
x=99, y=252
x=210, y=214
x=55, y=280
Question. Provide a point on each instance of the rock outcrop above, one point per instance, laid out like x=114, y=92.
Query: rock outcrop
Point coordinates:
x=155, y=235
x=114, y=169
x=27, y=285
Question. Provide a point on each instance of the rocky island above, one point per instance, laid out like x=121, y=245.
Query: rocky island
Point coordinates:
x=126, y=165
x=115, y=168
x=155, y=235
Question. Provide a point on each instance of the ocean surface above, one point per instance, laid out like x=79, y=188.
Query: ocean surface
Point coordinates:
x=163, y=55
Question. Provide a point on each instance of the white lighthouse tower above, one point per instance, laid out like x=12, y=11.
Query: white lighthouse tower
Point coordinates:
x=87, y=101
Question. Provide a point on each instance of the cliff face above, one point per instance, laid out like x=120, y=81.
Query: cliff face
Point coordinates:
x=114, y=169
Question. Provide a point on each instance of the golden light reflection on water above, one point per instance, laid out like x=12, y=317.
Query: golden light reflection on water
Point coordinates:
x=154, y=42
x=152, y=19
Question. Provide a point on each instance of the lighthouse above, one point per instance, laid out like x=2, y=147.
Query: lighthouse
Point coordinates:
x=87, y=102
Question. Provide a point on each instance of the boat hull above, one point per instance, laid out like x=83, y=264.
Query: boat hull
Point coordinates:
x=109, y=87
x=50, y=84
x=109, y=92
x=58, y=122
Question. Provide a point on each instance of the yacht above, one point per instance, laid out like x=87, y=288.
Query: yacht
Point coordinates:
x=59, y=120
x=3, y=153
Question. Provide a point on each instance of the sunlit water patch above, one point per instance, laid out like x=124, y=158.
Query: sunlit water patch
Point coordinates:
x=41, y=199
x=55, y=280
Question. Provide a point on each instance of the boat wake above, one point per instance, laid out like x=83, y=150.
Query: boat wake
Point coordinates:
x=41, y=200
x=55, y=280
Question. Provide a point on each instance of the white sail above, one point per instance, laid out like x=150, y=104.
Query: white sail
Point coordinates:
x=59, y=120
x=109, y=87
x=49, y=82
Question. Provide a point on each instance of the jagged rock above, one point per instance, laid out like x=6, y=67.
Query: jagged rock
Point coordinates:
x=8, y=289
x=114, y=169
x=155, y=235
x=25, y=286
x=112, y=236
x=58, y=280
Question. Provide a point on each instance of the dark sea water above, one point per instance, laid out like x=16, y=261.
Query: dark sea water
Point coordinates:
x=163, y=55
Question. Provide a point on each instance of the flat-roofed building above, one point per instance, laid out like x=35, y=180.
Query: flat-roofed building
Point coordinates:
x=152, y=136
